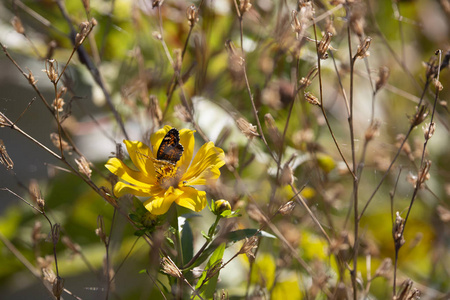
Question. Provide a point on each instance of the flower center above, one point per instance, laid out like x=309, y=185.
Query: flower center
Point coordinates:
x=166, y=174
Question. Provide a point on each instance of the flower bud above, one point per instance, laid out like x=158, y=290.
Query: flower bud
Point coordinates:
x=220, y=206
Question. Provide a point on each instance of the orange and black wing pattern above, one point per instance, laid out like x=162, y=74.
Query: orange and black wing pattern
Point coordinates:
x=170, y=149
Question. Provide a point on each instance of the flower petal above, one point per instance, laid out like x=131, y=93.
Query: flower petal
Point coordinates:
x=159, y=205
x=142, y=157
x=208, y=175
x=207, y=156
x=187, y=140
x=122, y=188
x=192, y=199
x=117, y=167
x=157, y=137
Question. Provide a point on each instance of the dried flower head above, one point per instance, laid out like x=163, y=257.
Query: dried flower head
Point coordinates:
x=363, y=49
x=306, y=9
x=311, y=99
x=157, y=35
x=424, y=173
x=84, y=29
x=192, y=15
x=324, y=45
x=58, y=287
x=397, y=231
x=4, y=121
x=287, y=175
x=383, y=75
x=406, y=292
x=297, y=26
x=235, y=60
x=437, y=85
x=30, y=78
x=100, y=230
x=286, y=208
x=232, y=157
x=58, y=104
x=384, y=269
x=169, y=267
x=373, y=130
x=17, y=24
x=244, y=6
x=306, y=81
x=272, y=129
x=182, y=113
x=247, y=128
x=428, y=130
x=83, y=166
x=59, y=142
x=248, y=246
x=51, y=69
x=4, y=157
x=35, y=193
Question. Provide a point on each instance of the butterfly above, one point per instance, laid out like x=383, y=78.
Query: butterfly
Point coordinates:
x=170, y=149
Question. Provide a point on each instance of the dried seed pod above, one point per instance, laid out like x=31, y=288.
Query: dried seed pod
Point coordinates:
x=363, y=49
x=192, y=15
x=324, y=45
x=51, y=69
x=232, y=157
x=83, y=166
x=311, y=99
x=397, y=231
x=244, y=6
x=286, y=208
x=248, y=246
x=383, y=75
x=169, y=267
x=428, y=130
x=384, y=269
x=247, y=128
x=4, y=157
x=17, y=24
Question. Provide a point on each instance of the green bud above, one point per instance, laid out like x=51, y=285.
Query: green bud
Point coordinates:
x=221, y=206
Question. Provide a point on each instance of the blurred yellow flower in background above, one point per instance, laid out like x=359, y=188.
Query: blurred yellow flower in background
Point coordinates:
x=166, y=172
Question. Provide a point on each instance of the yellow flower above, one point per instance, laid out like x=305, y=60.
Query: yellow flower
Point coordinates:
x=165, y=182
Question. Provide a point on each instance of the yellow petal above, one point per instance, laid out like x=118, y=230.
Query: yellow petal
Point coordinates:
x=117, y=167
x=157, y=138
x=207, y=156
x=121, y=188
x=187, y=140
x=207, y=176
x=142, y=157
x=159, y=205
x=192, y=199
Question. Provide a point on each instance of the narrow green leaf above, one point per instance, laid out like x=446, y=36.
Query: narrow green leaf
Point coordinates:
x=187, y=242
x=208, y=286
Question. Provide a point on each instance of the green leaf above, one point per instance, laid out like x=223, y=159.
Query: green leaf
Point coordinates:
x=187, y=242
x=135, y=218
x=208, y=285
x=241, y=234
